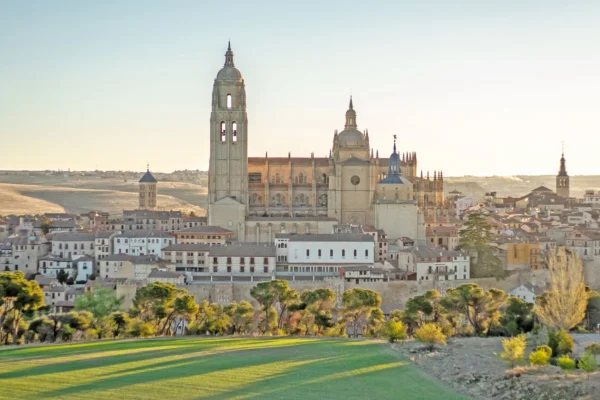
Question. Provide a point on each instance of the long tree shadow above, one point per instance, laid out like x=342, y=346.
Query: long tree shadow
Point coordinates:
x=198, y=346
x=216, y=364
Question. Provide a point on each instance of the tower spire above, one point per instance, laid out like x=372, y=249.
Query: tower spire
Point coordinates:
x=394, y=144
x=351, y=105
x=229, y=56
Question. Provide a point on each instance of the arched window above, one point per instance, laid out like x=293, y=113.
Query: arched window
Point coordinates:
x=323, y=200
x=223, y=132
x=234, y=131
x=228, y=101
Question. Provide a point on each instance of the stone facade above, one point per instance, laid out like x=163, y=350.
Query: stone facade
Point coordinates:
x=254, y=197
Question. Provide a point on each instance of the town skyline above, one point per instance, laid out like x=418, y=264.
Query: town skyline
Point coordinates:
x=474, y=90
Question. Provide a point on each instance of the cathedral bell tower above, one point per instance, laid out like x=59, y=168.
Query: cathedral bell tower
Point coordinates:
x=562, y=179
x=228, y=168
x=228, y=135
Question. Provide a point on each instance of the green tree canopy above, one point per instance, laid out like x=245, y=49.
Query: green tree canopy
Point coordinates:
x=99, y=301
x=18, y=297
x=477, y=238
x=357, y=305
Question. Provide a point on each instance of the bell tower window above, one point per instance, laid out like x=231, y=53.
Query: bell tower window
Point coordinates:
x=223, y=132
x=234, y=131
x=228, y=101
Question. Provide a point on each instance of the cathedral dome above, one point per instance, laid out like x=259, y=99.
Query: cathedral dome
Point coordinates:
x=229, y=74
x=350, y=136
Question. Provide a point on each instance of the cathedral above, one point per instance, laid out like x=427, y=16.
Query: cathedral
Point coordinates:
x=257, y=197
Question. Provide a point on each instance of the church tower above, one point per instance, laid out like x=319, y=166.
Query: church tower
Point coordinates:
x=148, y=191
x=562, y=179
x=227, y=171
x=228, y=135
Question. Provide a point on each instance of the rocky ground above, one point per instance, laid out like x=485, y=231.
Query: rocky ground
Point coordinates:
x=471, y=367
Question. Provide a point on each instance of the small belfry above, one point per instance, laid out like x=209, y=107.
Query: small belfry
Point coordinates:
x=148, y=190
x=562, y=179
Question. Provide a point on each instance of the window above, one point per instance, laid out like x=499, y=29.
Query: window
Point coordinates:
x=242, y=268
x=228, y=260
x=343, y=253
x=229, y=101
x=266, y=269
x=252, y=262
x=215, y=260
x=355, y=253
x=252, y=269
x=254, y=177
x=234, y=131
x=366, y=253
x=229, y=268
x=331, y=253
x=307, y=253
x=319, y=253
x=215, y=268
x=265, y=260
x=223, y=132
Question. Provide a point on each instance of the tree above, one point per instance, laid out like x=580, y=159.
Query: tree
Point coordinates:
x=563, y=305
x=588, y=363
x=269, y=293
x=513, y=349
x=430, y=334
x=240, y=315
x=560, y=342
x=357, y=305
x=62, y=276
x=480, y=308
x=121, y=322
x=517, y=316
x=393, y=331
x=593, y=348
x=18, y=297
x=155, y=304
x=211, y=318
x=45, y=226
x=319, y=304
x=476, y=239
x=99, y=301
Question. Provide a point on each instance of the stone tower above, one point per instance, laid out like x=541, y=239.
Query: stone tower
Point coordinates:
x=148, y=191
x=562, y=179
x=227, y=176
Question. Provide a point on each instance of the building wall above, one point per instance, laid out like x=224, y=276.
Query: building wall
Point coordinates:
x=397, y=219
x=297, y=252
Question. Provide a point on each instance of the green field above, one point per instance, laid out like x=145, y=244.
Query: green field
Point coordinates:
x=215, y=368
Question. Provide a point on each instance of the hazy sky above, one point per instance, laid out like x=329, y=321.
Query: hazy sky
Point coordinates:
x=475, y=87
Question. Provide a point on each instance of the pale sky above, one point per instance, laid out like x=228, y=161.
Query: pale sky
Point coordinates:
x=474, y=87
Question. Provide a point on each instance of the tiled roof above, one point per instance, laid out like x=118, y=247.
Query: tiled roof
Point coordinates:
x=330, y=237
x=208, y=229
x=187, y=247
x=73, y=237
x=153, y=233
x=157, y=273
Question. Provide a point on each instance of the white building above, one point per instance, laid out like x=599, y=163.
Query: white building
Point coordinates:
x=247, y=262
x=50, y=265
x=189, y=258
x=527, y=292
x=85, y=267
x=592, y=197
x=103, y=245
x=166, y=221
x=463, y=203
x=362, y=273
x=585, y=243
x=434, y=264
x=141, y=242
x=322, y=254
x=70, y=244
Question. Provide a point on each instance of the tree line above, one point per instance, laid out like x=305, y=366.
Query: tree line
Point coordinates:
x=160, y=308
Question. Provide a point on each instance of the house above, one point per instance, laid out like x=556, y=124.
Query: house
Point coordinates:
x=158, y=275
x=434, y=263
x=362, y=273
x=84, y=266
x=50, y=265
x=142, y=242
x=189, y=258
x=243, y=262
x=322, y=254
x=527, y=292
x=445, y=237
x=124, y=266
x=21, y=253
x=69, y=244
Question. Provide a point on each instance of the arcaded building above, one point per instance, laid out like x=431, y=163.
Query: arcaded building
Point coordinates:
x=257, y=197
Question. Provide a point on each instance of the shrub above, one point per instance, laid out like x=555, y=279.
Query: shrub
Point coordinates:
x=514, y=349
x=394, y=331
x=588, y=363
x=566, y=363
x=142, y=329
x=539, y=357
x=430, y=334
x=546, y=349
x=560, y=342
x=67, y=333
x=512, y=328
x=593, y=348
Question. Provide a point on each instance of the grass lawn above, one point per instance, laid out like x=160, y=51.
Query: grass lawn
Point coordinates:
x=215, y=368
